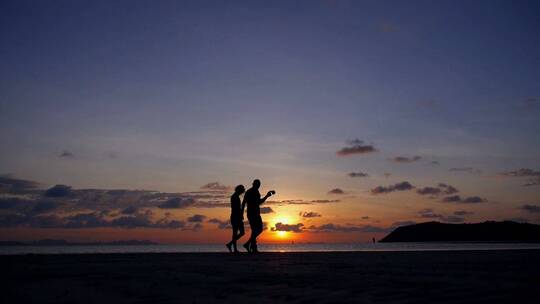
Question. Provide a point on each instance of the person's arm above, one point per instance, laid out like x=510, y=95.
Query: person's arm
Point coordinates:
x=243, y=205
x=266, y=196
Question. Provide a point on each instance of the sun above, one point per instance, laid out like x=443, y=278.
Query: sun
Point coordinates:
x=284, y=219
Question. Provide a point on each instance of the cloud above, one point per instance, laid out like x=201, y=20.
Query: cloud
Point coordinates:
x=531, y=208
x=356, y=146
x=90, y=220
x=10, y=184
x=435, y=191
x=447, y=189
x=66, y=154
x=58, y=191
x=325, y=201
x=288, y=227
x=309, y=214
x=331, y=227
x=197, y=218
x=266, y=210
x=466, y=169
x=533, y=182
x=435, y=162
x=177, y=203
x=221, y=224
x=130, y=210
x=403, y=186
x=467, y=200
x=534, y=175
x=216, y=186
x=45, y=206
x=336, y=191
x=358, y=174
x=428, y=191
x=404, y=159
x=365, y=217
x=429, y=213
x=462, y=212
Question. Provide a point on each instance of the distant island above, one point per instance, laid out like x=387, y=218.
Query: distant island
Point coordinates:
x=66, y=243
x=489, y=231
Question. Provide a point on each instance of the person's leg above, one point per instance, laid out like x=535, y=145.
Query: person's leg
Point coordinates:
x=239, y=234
x=248, y=244
x=233, y=239
x=257, y=229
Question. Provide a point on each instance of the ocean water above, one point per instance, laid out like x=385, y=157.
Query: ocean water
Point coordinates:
x=84, y=249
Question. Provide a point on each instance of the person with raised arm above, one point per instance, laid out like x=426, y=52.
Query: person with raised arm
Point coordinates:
x=253, y=200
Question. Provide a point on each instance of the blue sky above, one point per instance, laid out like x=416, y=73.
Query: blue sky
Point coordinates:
x=170, y=95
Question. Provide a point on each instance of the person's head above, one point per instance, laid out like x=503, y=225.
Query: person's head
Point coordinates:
x=239, y=189
x=256, y=184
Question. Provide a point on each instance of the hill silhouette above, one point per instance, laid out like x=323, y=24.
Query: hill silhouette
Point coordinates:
x=489, y=231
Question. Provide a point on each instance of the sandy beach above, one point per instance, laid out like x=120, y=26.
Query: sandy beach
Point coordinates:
x=360, y=277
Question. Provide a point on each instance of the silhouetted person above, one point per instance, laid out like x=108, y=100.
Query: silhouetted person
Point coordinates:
x=237, y=218
x=253, y=200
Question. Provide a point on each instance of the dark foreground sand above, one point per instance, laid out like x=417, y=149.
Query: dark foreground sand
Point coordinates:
x=370, y=277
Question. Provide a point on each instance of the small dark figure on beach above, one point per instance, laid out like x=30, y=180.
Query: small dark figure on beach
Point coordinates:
x=237, y=218
x=253, y=200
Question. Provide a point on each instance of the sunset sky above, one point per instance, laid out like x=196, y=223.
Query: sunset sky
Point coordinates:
x=362, y=115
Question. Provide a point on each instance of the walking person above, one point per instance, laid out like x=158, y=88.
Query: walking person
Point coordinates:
x=253, y=200
x=237, y=218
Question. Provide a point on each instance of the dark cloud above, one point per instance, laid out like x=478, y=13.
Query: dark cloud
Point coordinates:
x=533, y=182
x=435, y=163
x=336, y=191
x=90, y=220
x=10, y=184
x=266, y=210
x=309, y=214
x=447, y=189
x=288, y=227
x=533, y=175
x=10, y=202
x=66, y=154
x=325, y=201
x=130, y=210
x=330, y=227
x=403, y=186
x=462, y=212
x=531, y=208
x=404, y=159
x=521, y=173
x=358, y=174
x=197, y=218
x=220, y=223
x=466, y=200
x=435, y=191
x=58, y=191
x=387, y=175
x=177, y=203
x=466, y=169
x=356, y=146
x=428, y=191
x=365, y=217
x=45, y=206
x=216, y=186
x=429, y=213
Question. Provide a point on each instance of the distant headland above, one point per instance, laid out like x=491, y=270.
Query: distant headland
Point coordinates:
x=489, y=231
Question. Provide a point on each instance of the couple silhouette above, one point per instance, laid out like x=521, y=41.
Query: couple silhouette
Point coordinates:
x=253, y=200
